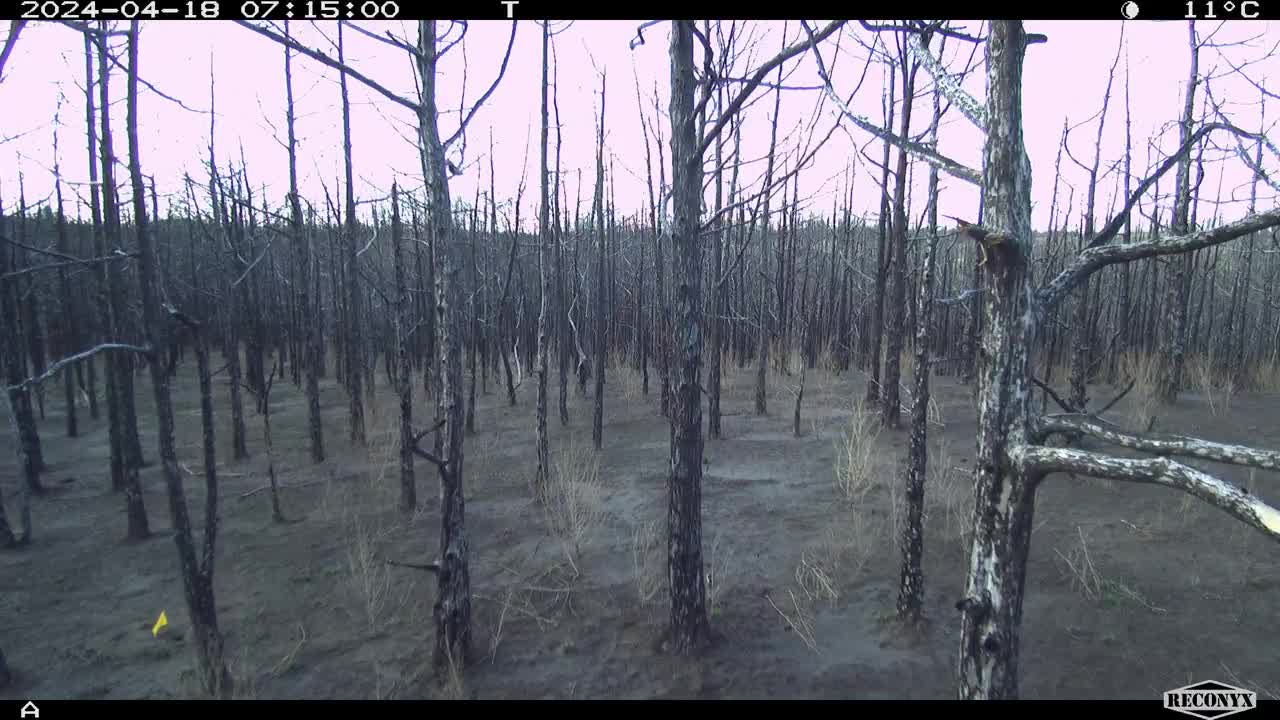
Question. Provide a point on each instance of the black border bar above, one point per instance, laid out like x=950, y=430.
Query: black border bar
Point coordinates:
x=1142, y=10
x=414, y=709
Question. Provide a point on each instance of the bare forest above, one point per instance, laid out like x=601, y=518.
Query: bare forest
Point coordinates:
x=706, y=402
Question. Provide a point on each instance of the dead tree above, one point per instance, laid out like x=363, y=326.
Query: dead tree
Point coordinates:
x=690, y=628
x=601, y=304
x=765, y=329
x=1012, y=458
x=354, y=341
x=911, y=584
x=890, y=403
x=1082, y=325
x=311, y=346
x=197, y=574
x=408, y=483
x=130, y=446
x=544, y=280
x=1174, y=323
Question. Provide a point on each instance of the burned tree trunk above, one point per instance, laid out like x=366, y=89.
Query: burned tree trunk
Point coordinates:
x=197, y=576
x=544, y=278
x=71, y=329
x=883, y=256
x=122, y=380
x=890, y=404
x=911, y=583
x=408, y=483
x=689, y=628
x=601, y=304
x=766, y=328
x=991, y=610
x=104, y=276
x=355, y=345
x=1174, y=326
x=311, y=348
x=452, y=610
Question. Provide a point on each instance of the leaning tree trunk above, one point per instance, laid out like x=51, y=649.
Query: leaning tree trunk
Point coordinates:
x=197, y=577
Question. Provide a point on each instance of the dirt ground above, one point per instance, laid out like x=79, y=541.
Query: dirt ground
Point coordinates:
x=1132, y=590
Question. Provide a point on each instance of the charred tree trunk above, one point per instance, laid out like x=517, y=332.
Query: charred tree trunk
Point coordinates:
x=601, y=303
x=991, y=611
x=689, y=628
x=544, y=279
x=883, y=256
x=766, y=327
x=452, y=610
x=197, y=576
x=911, y=584
x=890, y=403
x=355, y=347
x=302, y=249
x=408, y=483
x=1173, y=337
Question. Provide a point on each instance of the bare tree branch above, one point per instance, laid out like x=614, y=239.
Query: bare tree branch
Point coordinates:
x=1094, y=258
x=15, y=29
x=1154, y=471
x=758, y=76
x=1170, y=445
x=506, y=58
x=55, y=367
x=945, y=164
x=330, y=62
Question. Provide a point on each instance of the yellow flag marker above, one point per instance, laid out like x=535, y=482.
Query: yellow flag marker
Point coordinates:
x=160, y=622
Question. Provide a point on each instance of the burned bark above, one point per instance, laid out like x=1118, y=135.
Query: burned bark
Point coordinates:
x=197, y=576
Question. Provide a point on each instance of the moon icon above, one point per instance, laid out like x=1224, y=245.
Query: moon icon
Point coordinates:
x=1129, y=10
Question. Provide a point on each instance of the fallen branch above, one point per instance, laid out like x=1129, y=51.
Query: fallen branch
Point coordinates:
x=429, y=567
x=284, y=486
x=1066, y=407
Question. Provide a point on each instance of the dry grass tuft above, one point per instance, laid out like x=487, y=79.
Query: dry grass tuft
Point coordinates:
x=840, y=555
x=855, y=466
x=717, y=570
x=623, y=374
x=572, y=499
x=799, y=617
x=1144, y=399
x=1080, y=568
x=647, y=560
x=369, y=577
x=1217, y=387
x=949, y=497
x=1265, y=376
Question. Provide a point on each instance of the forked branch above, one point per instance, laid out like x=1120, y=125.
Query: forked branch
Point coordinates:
x=1164, y=445
x=1038, y=460
x=1093, y=259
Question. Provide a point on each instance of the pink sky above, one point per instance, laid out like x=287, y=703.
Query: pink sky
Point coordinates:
x=1064, y=79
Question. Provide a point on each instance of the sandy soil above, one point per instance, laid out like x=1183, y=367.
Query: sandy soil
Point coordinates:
x=1165, y=592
